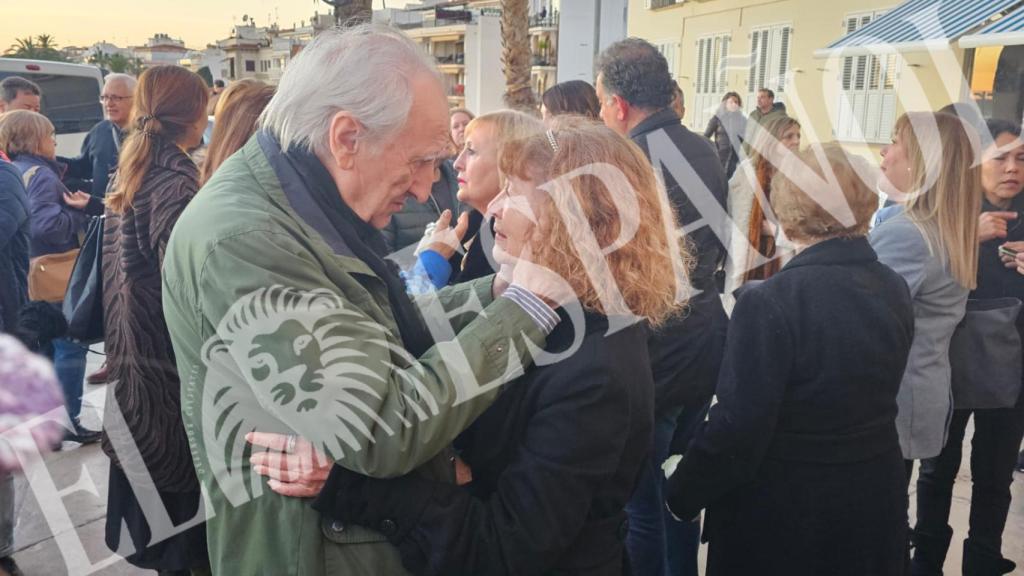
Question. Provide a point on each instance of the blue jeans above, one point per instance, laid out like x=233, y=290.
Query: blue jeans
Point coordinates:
x=646, y=509
x=69, y=362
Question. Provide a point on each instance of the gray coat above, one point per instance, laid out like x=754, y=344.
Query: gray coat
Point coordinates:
x=925, y=399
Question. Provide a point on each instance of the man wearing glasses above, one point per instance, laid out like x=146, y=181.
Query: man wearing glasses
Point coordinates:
x=91, y=169
x=101, y=145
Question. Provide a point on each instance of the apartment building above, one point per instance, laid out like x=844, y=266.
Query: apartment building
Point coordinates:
x=845, y=68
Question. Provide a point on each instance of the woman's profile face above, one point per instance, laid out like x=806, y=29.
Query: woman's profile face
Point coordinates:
x=515, y=212
x=1002, y=170
x=477, y=165
x=895, y=180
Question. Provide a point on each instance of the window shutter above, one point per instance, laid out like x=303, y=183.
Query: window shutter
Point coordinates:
x=762, y=61
x=784, y=58
x=754, y=58
x=723, y=79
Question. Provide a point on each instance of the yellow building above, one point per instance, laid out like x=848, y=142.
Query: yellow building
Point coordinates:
x=845, y=68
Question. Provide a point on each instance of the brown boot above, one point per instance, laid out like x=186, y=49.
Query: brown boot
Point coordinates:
x=100, y=376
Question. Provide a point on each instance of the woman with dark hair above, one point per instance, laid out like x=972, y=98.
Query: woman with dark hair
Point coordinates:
x=997, y=432
x=143, y=431
x=235, y=117
x=574, y=97
x=726, y=128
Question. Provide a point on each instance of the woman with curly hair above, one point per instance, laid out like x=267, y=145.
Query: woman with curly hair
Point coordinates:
x=554, y=460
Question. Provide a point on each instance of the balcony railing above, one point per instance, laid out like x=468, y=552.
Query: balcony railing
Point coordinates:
x=545, y=21
x=663, y=3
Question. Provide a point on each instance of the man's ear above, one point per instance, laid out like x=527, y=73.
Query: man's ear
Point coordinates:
x=621, y=107
x=343, y=139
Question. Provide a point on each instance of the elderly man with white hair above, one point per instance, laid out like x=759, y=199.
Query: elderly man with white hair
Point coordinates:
x=102, y=143
x=288, y=324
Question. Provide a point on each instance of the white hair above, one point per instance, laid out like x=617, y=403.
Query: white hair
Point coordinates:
x=365, y=70
x=126, y=79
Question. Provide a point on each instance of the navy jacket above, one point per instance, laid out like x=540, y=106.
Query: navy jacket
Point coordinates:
x=14, y=245
x=98, y=158
x=686, y=351
x=55, y=225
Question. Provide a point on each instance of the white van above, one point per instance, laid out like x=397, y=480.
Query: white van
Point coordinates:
x=71, y=97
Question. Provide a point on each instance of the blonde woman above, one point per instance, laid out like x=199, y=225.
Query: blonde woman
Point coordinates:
x=480, y=182
x=749, y=205
x=556, y=457
x=931, y=239
x=799, y=463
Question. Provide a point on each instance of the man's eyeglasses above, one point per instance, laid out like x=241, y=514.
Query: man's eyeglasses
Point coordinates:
x=111, y=98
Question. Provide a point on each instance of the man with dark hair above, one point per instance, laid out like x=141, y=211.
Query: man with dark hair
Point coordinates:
x=17, y=93
x=767, y=110
x=636, y=92
x=218, y=87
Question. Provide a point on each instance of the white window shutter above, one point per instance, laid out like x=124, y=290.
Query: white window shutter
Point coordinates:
x=723, y=64
x=754, y=59
x=784, y=49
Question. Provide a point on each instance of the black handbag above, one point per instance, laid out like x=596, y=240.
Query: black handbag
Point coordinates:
x=83, y=302
x=985, y=355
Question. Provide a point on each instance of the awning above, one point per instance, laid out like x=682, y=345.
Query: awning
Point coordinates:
x=1006, y=31
x=918, y=25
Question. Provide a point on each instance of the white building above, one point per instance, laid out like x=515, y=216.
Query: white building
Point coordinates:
x=160, y=49
x=586, y=27
x=212, y=58
x=105, y=48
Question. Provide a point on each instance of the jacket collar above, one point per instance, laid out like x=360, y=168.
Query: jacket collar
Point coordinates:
x=170, y=156
x=836, y=251
x=661, y=119
x=36, y=160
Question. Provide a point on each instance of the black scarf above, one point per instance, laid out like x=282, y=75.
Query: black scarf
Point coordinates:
x=367, y=243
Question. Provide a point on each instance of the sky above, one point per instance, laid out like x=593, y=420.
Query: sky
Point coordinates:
x=131, y=22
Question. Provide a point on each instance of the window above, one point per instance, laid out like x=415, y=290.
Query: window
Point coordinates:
x=712, y=77
x=72, y=103
x=769, y=60
x=250, y=65
x=867, y=103
x=670, y=50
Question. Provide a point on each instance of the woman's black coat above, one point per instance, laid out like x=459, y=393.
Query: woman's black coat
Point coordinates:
x=799, y=463
x=554, y=461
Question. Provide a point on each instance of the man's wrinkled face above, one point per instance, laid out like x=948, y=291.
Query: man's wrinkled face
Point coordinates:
x=117, y=102
x=25, y=100
x=407, y=166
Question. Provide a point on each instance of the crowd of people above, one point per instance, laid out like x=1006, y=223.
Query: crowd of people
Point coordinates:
x=354, y=335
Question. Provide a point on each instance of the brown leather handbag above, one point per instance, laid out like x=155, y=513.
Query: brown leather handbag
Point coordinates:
x=48, y=276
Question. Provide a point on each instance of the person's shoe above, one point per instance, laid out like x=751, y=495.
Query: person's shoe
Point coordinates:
x=9, y=567
x=100, y=376
x=980, y=562
x=929, y=552
x=83, y=436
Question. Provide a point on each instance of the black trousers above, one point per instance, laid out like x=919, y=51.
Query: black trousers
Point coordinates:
x=997, y=437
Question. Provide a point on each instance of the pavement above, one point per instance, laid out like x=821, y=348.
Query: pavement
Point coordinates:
x=51, y=542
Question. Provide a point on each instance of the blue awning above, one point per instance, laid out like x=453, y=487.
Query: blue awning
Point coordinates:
x=918, y=25
x=1006, y=31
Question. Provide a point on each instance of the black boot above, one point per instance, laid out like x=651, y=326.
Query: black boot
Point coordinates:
x=981, y=562
x=929, y=552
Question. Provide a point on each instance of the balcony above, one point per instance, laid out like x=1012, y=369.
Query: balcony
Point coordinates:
x=655, y=4
x=544, y=21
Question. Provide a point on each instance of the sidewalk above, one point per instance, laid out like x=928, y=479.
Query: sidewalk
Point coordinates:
x=86, y=468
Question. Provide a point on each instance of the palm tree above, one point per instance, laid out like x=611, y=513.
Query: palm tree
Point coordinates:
x=101, y=59
x=515, y=55
x=350, y=12
x=23, y=48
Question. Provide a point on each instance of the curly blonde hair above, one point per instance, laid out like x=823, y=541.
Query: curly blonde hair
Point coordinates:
x=600, y=186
